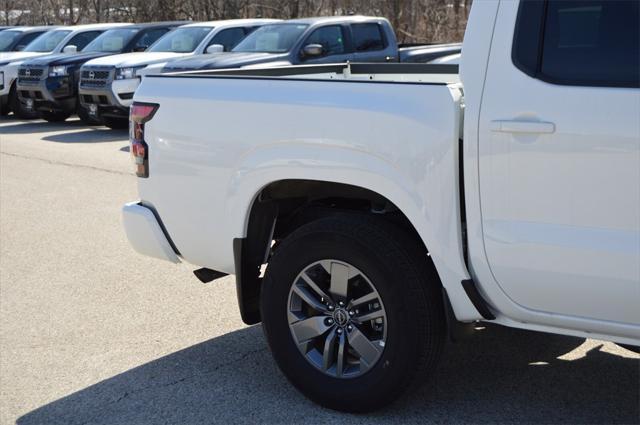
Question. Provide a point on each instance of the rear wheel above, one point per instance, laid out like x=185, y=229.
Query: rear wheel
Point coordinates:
x=54, y=116
x=352, y=311
x=85, y=117
x=116, y=123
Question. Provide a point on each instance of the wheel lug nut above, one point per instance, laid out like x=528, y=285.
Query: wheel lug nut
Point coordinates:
x=349, y=328
x=351, y=313
x=331, y=308
x=341, y=304
x=339, y=331
x=329, y=321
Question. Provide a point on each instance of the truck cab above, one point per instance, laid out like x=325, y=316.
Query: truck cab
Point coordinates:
x=368, y=210
x=54, y=96
x=108, y=83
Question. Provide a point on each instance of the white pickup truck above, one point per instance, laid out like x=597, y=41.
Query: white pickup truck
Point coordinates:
x=364, y=207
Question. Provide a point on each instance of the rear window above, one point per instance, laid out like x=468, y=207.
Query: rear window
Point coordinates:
x=367, y=37
x=579, y=42
x=592, y=41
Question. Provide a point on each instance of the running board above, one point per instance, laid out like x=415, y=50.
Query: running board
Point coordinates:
x=476, y=299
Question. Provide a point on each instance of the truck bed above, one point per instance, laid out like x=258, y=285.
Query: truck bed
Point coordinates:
x=219, y=137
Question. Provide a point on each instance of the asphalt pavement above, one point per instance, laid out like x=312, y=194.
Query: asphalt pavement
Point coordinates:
x=93, y=333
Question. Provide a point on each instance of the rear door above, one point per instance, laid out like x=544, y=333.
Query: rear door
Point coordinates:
x=560, y=157
x=370, y=43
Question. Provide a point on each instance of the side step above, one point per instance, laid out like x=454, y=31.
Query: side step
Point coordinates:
x=476, y=299
x=208, y=275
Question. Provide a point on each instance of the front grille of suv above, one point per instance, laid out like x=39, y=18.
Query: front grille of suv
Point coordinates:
x=94, y=77
x=30, y=74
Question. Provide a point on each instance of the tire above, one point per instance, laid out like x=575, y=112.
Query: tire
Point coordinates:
x=16, y=106
x=84, y=116
x=55, y=116
x=396, y=266
x=115, y=123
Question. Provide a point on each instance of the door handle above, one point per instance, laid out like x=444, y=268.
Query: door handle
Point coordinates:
x=517, y=126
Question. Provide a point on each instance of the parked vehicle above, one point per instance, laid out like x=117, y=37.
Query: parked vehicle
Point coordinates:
x=16, y=39
x=59, y=40
x=447, y=60
x=48, y=85
x=109, y=93
x=318, y=40
x=390, y=202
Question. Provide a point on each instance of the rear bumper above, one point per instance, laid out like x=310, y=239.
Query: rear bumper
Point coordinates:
x=146, y=234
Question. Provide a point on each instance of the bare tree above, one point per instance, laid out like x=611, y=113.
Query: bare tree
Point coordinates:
x=415, y=21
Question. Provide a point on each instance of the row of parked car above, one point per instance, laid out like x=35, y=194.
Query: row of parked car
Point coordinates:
x=93, y=70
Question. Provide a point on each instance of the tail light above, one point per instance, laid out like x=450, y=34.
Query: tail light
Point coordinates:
x=139, y=114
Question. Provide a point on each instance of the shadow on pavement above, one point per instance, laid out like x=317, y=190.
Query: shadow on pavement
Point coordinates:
x=38, y=126
x=497, y=375
x=93, y=135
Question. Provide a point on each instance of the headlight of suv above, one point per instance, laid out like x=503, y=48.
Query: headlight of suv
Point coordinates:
x=127, y=73
x=58, y=71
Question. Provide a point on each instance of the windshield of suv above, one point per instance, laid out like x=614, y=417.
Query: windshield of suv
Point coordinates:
x=112, y=41
x=47, y=41
x=278, y=38
x=181, y=40
x=7, y=38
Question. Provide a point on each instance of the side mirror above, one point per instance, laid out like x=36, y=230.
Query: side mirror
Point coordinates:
x=140, y=48
x=215, y=48
x=70, y=49
x=312, y=50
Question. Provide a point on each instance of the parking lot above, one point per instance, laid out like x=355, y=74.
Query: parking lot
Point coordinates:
x=91, y=332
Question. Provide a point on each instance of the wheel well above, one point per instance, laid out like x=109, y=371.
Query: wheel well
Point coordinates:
x=301, y=201
x=282, y=207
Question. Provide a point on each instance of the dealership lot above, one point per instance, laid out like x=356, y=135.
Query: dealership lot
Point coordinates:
x=91, y=332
